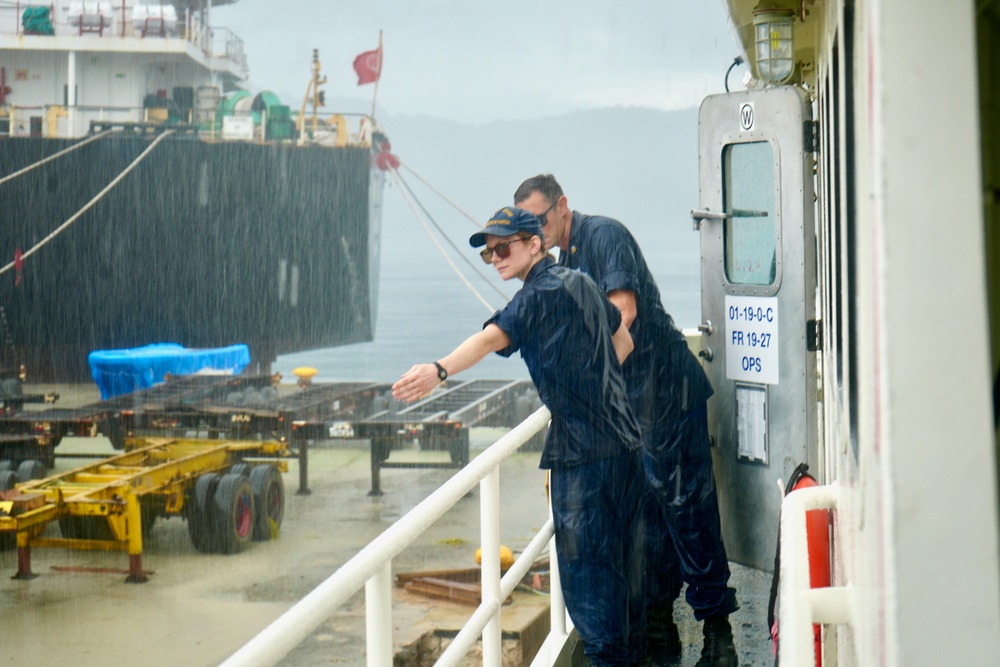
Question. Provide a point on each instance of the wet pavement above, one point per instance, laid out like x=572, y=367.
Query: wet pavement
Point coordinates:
x=198, y=608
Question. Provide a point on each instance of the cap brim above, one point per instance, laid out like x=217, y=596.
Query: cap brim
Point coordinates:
x=479, y=238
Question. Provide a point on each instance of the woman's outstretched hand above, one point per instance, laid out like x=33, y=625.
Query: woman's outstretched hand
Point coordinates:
x=415, y=382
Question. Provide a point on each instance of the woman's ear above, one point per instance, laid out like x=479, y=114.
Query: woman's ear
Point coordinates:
x=536, y=244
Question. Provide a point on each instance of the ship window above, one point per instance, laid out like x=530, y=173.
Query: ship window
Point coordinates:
x=749, y=197
x=849, y=288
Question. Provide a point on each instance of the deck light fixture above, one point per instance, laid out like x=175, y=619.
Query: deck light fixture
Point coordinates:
x=773, y=40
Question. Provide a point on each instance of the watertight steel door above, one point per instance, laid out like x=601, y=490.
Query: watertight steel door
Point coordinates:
x=758, y=281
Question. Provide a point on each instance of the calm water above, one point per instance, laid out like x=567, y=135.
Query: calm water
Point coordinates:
x=425, y=310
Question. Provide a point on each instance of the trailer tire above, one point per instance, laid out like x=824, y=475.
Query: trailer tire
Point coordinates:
x=240, y=469
x=113, y=430
x=269, y=501
x=234, y=515
x=200, y=512
x=8, y=479
x=30, y=469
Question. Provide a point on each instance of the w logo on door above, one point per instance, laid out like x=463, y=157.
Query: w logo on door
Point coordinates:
x=746, y=116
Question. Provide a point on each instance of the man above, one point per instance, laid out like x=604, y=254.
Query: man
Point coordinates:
x=668, y=390
x=560, y=319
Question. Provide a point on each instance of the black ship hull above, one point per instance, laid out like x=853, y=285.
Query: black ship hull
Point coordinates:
x=202, y=244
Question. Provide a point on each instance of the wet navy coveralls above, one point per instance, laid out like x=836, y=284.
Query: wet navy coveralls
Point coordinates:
x=668, y=390
x=561, y=320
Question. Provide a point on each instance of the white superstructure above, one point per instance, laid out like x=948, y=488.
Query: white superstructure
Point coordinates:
x=68, y=64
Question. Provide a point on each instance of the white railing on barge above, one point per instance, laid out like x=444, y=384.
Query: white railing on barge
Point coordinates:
x=371, y=568
x=334, y=129
x=118, y=19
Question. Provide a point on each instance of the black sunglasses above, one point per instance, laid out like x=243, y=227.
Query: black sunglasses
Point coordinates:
x=502, y=250
x=541, y=216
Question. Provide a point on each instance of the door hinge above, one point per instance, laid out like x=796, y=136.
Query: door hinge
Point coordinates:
x=814, y=335
x=810, y=136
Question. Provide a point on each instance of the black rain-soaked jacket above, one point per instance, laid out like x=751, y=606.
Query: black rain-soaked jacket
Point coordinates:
x=664, y=380
x=562, y=324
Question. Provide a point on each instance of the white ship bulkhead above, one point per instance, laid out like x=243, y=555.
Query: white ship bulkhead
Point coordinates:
x=903, y=95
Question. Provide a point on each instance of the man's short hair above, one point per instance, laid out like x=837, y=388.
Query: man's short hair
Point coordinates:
x=543, y=183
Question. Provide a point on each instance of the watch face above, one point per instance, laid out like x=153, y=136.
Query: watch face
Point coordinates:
x=442, y=374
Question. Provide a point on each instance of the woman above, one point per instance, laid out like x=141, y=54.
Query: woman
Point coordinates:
x=570, y=337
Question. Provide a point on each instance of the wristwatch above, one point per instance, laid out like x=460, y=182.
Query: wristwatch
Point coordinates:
x=442, y=373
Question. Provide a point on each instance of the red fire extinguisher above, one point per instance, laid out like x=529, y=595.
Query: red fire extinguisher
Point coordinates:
x=818, y=540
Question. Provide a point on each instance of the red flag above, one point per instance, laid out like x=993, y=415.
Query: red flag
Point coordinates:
x=368, y=65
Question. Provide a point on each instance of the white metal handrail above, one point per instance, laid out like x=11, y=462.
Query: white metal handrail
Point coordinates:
x=488, y=609
x=371, y=567
x=800, y=605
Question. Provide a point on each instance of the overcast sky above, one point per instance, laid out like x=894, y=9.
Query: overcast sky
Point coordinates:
x=476, y=61
x=479, y=62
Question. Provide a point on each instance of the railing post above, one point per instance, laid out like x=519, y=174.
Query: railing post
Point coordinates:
x=800, y=605
x=378, y=617
x=489, y=516
x=373, y=566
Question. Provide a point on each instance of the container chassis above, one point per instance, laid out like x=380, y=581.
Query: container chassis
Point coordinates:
x=211, y=449
x=230, y=492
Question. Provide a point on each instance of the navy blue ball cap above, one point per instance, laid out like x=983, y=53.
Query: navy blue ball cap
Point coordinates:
x=505, y=222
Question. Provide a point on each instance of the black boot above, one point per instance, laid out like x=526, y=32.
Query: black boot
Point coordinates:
x=663, y=638
x=718, y=650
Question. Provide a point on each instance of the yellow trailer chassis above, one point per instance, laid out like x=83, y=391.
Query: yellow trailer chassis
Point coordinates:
x=230, y=492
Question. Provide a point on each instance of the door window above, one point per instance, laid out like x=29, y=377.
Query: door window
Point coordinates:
x=751, y=231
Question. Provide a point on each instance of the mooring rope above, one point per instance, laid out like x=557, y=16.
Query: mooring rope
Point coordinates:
x=54, y=156
x=58, y=230
x=420, y=219
x=440, y=194
x=461, y=252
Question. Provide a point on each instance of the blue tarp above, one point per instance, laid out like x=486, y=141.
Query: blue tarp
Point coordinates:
x=118, y=372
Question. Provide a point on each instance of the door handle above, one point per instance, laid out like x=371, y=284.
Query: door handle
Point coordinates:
x=707, y=327
x=700, y=215
x=706, y=354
